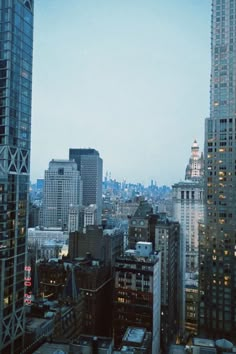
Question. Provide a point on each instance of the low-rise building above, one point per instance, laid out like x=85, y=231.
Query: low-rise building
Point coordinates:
x=91, y=345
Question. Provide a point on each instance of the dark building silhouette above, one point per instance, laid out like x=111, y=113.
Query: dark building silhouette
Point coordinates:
x=94, y=251
x=51, y=278
x=168, y=243
x=142, y=225
x=94, y=241
x=89, y=240
x=34, y=211
x=90, y=166
x=94, y=281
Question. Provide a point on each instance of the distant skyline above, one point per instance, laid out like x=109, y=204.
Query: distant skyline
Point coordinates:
x=129, y=78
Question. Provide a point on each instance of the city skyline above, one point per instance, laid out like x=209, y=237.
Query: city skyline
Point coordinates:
x=121, y=77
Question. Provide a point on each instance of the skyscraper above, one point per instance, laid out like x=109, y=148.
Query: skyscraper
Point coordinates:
x=62, y=189
x=16, y=41
x=195, y=167
x=188, y=206
x=218, y=235
x=90, y=166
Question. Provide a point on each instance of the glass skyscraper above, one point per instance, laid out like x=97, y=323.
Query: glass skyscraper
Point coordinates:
x=90, y=165
x=16, y=40
x=218, y=235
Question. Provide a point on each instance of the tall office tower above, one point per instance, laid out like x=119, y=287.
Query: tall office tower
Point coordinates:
x=90, y=166
x=217, y=251
x=188, y=206
x=137, y=293
x=16, y=41
x=62, y=188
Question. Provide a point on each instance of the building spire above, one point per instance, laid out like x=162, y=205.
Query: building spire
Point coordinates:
x=194, y=169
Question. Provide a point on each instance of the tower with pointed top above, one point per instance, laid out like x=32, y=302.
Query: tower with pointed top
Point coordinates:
x=188, y=205
x=195, y=167
x=188, y=210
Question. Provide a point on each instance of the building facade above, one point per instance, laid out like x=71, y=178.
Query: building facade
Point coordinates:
x=164, y=235
x=188, y=206
x=90, y=215
x=62, y=189
x=191, y=303
x=137, y=293
x=16, y=21
x=94, y=281
x=168, y=242
x=142, y=225
x=74, y=218
x=188, y=209
x=89, y=241
x=90, y=166
x=217, y=249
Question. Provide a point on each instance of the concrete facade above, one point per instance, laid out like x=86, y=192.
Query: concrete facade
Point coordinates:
x=62, y=188
x=137, y=293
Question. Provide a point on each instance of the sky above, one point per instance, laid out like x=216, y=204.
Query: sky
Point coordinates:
x=129, y=78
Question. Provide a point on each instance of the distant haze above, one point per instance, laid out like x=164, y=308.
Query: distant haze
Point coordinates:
x=129, y=78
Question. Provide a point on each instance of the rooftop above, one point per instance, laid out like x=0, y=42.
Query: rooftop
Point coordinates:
x=204, y=342
x=84, y=340
x=177, y=349
x=134, y=335
x=53, y=348
x=34, y=323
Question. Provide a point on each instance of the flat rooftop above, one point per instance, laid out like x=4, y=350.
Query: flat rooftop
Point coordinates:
x=177, y=349
x=53, y=348
x=204, y=342
x=134, y=335
x=87, y=341
x=180, y=349
x=33, y=323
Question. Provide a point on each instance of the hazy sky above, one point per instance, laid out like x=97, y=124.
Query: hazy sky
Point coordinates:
x=129, y=78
